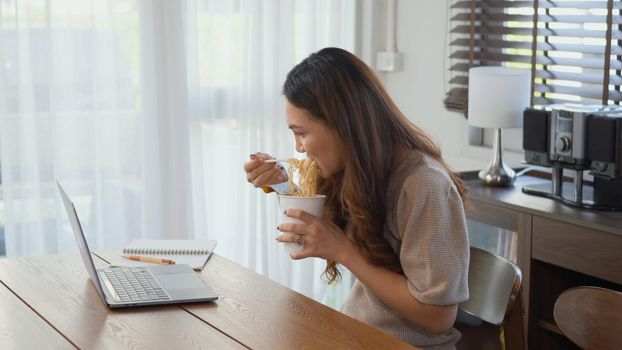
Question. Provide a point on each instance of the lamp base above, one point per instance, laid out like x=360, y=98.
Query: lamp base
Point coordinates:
x=502, y=176
x=497, y=173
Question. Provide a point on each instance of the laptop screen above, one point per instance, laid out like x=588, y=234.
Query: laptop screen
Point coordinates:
x=79, y=234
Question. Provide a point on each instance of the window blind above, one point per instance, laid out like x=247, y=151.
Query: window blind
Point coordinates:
x=573, y=48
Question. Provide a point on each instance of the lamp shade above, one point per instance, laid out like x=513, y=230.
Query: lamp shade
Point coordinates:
x=498, y=96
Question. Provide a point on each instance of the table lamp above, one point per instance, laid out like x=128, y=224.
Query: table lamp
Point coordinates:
x=497, y=98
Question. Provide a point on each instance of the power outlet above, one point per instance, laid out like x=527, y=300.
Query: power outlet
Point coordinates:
x=389, y=61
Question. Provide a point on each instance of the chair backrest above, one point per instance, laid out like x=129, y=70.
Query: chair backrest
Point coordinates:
x=590, y=316
x=494, y=283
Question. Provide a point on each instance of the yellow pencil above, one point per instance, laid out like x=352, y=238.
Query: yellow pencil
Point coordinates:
x=149, y=259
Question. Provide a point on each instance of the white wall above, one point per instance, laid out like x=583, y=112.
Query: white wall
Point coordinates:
x=419, y=89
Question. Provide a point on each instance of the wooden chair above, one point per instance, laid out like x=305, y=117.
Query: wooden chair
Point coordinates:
x=590, y=317
x=496, y=301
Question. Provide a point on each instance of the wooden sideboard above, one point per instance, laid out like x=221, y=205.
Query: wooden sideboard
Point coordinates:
x=558, y=246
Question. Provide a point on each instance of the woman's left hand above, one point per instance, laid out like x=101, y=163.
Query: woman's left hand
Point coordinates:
x=319, y=238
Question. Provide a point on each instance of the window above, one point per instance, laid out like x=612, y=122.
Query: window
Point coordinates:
x=70, y=76
x=2, y=235
x=573, y=48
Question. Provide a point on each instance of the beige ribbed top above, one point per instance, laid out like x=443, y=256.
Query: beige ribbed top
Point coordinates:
x=426, y=227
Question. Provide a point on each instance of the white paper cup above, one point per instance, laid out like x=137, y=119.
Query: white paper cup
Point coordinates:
x=312, y=205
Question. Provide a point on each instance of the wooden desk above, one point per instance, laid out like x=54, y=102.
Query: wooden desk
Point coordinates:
x=49, y=302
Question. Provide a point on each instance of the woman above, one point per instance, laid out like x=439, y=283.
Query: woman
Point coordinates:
x=394, y=212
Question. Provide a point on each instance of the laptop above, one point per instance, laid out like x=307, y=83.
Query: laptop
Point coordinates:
x=138, y=286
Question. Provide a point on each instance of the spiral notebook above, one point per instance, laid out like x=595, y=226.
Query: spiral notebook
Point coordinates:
x=193, y=252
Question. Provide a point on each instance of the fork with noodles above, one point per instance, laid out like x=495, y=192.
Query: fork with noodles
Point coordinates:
x=307, y=177
x=306, y=169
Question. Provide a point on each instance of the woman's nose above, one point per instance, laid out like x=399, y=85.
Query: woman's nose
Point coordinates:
x=299, y=147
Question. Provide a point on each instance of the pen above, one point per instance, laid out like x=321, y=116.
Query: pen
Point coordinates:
x=149, y=259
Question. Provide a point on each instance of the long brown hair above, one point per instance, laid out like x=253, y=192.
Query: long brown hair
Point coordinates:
x=343, y=92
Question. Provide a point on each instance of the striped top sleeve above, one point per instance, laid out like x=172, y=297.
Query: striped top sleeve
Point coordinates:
x=434, y=251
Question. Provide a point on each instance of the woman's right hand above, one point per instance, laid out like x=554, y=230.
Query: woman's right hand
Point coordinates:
x=260, y=173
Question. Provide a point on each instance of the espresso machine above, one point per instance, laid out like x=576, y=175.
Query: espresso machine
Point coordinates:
x=579, y=138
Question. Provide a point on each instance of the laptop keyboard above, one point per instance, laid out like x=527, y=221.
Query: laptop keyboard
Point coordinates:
x=135, y=284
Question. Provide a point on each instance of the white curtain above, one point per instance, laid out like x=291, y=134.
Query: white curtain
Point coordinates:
x=145, y=111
